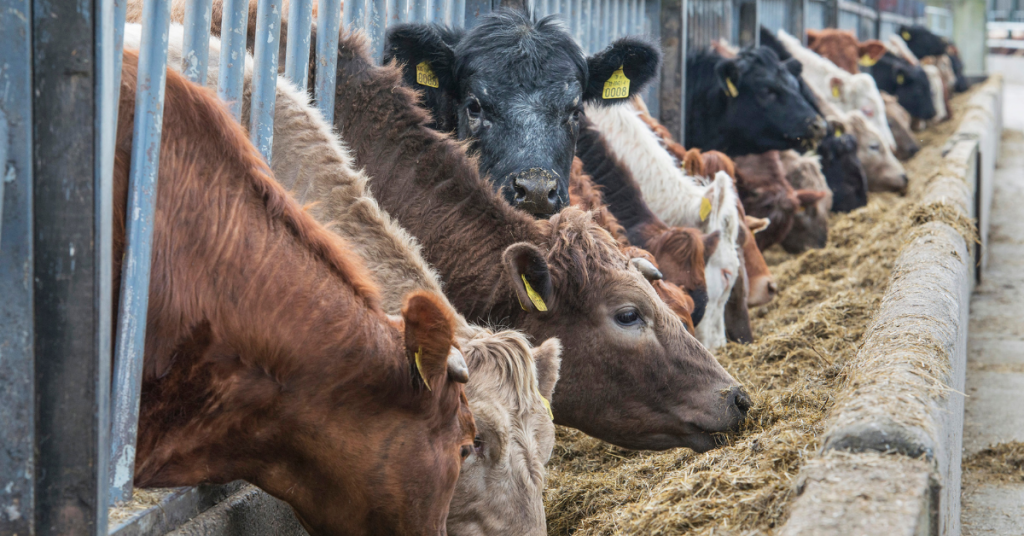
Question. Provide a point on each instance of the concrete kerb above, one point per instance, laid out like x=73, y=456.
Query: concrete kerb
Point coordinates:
x=890, y=462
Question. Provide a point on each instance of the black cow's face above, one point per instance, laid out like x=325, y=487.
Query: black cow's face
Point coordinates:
x=765, y=97
x=922, y=42
x=907, y=82
x=843, y=171
x=515, y=90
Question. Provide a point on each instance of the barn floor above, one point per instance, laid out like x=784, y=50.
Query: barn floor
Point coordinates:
x=993, y=474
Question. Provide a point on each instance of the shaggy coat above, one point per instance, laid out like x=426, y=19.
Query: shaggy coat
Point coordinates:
x=583, y=193
x=267, y=348
x=565, y=276
x=680, y=252
x=311, y=162
x=676, y=199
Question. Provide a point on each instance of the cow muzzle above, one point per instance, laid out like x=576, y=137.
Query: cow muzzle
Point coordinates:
x=535, y=191
x=817, y=129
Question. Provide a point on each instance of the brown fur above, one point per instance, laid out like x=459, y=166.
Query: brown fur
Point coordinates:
x=761, y=181
x=810, y=225
x=899, y=123
x=237, y=385
x=474, y=239
x=842, y=48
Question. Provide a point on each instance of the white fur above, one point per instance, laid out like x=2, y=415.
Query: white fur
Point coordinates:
x=856, y=91
x=676, y=199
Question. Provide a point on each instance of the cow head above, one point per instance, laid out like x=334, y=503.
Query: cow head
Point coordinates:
x=843, y=170
x=764, y=95
x=515, y=88
x=907, y=82
x=922, y=42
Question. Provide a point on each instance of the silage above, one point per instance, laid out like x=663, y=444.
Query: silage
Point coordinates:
x=793, y=371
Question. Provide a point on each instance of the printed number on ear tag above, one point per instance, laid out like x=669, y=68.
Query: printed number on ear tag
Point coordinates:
x=419, y=368
x=538, y=302
x=867, y=61
x=617, y=86
x=425, y=75
x=733, y=92
x=900, y=79
x=906, y=36
x=705, y=208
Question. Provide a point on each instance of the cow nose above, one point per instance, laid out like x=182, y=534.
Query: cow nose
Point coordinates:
x=817, y=128
x=905, y=182
x=738, y=399
x=913, y=149
x=536, y=192
x=773, y=289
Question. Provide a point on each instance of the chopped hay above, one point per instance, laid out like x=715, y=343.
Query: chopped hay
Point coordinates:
x=1003, y=462
x=793, y=372
x=142, y=499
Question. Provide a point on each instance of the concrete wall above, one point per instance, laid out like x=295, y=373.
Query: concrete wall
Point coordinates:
x=891, y=457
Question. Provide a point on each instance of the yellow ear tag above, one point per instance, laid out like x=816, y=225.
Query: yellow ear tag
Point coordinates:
x=800, y=209
x=867, y=61
x=546, y=402
x=835, y=91
x=617, y=86
x=705, y=208
x=839, y=132
x=906, y=36
x=419, y=368
x=538, y=302
x=900, y=79
x=425, y=75
x=733, y=92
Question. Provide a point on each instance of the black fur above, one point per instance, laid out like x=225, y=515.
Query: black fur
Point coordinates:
x=843, y=171
x=770, y=112
x=923, y=42
x=914, y=93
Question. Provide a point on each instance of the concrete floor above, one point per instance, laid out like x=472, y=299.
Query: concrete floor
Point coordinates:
x=994, y=411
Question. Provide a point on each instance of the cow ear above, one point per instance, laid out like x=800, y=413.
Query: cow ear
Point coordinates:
x=429, y=338
x=812, y=38
x=528, y=271
x=426, y=53
x=548, y=358
x=621, y=71
x=809, y=197
x=728, y=74
x=794, y=67
x=836, y=86
x=755, y=224
x=872, y=49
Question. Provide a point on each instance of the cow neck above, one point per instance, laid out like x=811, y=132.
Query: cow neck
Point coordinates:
x=620, y=191
x=252, y=304
x=426, y=181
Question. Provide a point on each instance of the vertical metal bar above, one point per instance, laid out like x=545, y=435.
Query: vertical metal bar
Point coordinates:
x=120, y=12
x=296, y=62
x=17, y=330
x=576, y=16
x=264, y=75
x=437, y=10
x=327, y=21
x=475, y=9
x=108, y=67
x=376, y=24
x=460, y=14
x=233, y=29
x=69, y=494
x=587, y=29
x=400, y=13
x=605, y=22
x=420, y=10
x=131, y=318
x=196, y=44
x=652, y=28
x=354, y=14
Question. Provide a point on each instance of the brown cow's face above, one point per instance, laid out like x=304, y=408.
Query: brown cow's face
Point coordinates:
x=600, y=305
x=386, y=452
x=501, y=486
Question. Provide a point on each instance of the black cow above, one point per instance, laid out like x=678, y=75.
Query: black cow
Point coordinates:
x=843, y=171
x=748, y=104
x=896, y=76
x=516, y=87
x=962, y=84
x=922, y=42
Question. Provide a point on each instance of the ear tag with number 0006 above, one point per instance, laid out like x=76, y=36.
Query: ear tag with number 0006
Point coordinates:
x=425, y=75
x=538, y=302
x=733, y=92
x=705, y=208
x=617, y=86
x=419, y=368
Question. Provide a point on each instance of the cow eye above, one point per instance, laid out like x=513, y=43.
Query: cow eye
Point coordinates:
x=875, y=147
x=576, y=116
x=629, y=317
x=474, y=109
x=465, y=451
x=478, y=446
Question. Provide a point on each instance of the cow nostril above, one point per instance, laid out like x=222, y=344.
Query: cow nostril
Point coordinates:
x=740, y=400
x=772, y=288
x=552, y=196
x=520, y=193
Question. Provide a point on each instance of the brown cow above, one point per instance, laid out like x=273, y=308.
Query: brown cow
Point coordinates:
x=762, y=288
x=681, y=252
x=810, y=225
x=842, y=48
x=563, y=277
x=268, y=357
x=899, y=122
x=761, y=181
x=583, y=193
